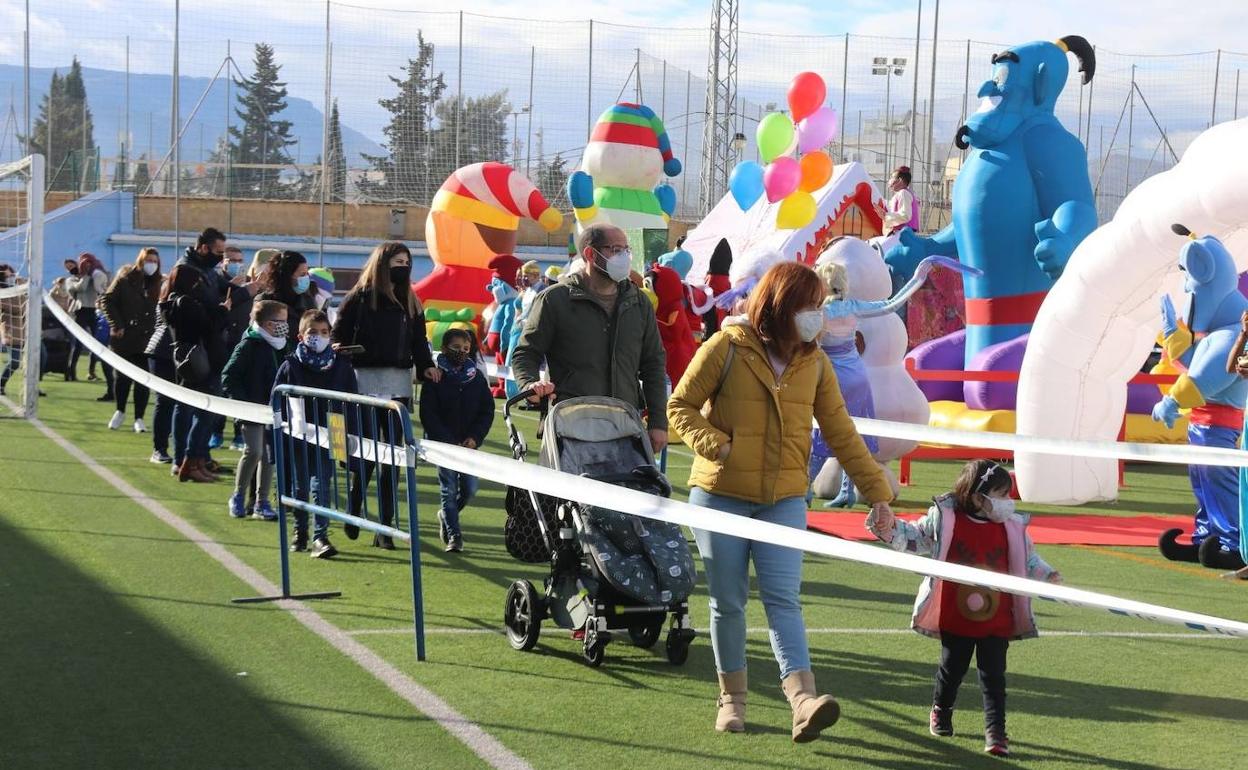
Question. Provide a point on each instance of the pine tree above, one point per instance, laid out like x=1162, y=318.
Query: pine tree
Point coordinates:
x=83, y=129
x=121, y=173
x=337, y=163
x=482, y=137
x=262, y=138
x=405, y=170
x=142, y=178
x=552, y=180
x=60, y=127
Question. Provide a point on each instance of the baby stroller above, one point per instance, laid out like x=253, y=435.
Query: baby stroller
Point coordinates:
x=609, y=572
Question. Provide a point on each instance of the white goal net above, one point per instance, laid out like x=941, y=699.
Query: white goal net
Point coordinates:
x=21, y=283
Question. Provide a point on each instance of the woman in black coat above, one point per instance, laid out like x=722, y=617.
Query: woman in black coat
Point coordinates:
x=382, y=315
x=287, y=281
x=129, y=305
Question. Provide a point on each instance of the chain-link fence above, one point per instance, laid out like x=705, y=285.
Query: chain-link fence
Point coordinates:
x=415, y=94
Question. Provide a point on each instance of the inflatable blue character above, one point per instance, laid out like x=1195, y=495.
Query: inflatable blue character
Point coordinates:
x=1022, y=201
x=1214, y=395
x=506, y=302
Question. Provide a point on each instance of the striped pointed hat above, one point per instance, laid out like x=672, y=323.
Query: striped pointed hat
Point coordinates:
x=494, y=195
x=636, y=124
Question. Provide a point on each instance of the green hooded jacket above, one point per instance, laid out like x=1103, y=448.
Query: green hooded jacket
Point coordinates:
x=589, y=354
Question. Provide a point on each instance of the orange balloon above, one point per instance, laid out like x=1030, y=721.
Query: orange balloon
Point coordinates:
x=816, y=170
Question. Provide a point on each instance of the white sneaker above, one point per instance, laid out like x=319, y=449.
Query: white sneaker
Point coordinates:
x=116, y=421
x=140, y=426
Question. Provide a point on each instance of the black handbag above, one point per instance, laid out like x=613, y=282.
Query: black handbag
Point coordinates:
x=191, y=364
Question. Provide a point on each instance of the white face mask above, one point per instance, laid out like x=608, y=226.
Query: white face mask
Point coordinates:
x=150, y=268
x=998, y=509
x=316, y=342
x=616, y=267
x=277, y=341
x=809, y=323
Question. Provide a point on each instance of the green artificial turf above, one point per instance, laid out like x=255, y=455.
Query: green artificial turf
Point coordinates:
x=123, y=649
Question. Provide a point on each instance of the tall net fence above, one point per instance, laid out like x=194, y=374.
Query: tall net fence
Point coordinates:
x=412, y=95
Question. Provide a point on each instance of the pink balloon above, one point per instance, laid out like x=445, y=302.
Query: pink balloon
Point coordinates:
x=816, y=130
x=781, y=178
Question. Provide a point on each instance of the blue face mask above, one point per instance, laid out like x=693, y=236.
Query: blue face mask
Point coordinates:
x=233, y=269
x=302, y=283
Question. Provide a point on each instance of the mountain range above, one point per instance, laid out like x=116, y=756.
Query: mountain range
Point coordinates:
x=150, y=99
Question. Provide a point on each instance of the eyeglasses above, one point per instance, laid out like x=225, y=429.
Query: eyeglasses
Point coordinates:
x=611, y=251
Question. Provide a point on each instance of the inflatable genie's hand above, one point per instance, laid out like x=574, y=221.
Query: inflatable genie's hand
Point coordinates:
x=618, y=182
x=1176, y=340
x=1022, y=201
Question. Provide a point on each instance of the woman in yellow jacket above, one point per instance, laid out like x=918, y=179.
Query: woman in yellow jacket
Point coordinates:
x=765, y=380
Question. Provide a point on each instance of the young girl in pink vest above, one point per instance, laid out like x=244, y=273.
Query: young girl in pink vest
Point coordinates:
x=975, y=525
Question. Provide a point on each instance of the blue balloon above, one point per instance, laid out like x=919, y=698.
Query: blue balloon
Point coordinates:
x=746, y=184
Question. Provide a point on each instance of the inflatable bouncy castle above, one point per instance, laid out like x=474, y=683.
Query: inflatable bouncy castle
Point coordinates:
x=473, y=219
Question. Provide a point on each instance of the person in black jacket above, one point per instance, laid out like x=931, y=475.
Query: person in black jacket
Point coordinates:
x=159, y=354
x=382, y=315
x=195, y=306
x=458, y=409
x=249, y=376
x=129, y=306
x=287, y=281
x=314, y=364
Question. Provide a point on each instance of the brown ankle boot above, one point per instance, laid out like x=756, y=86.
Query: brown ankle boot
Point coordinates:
x=811, y=712
x=732, y=690
x=193, y=470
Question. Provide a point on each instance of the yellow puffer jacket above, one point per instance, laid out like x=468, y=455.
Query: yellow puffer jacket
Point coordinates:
x=767, y=422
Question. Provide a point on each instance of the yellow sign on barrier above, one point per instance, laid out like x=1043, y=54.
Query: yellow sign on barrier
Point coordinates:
x=338, y=436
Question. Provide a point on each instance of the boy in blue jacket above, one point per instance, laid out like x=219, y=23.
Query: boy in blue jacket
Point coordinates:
x=457, y=410
x=248, y=376
x=314, y=364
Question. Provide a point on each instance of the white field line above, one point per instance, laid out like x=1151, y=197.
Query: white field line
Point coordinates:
x=446, y=631
x=481, y=743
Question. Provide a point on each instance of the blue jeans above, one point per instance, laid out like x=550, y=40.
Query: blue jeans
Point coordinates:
x=457, y=489
x=202, y=424
x=726, y=560
x=312, y=474
x=162, y=418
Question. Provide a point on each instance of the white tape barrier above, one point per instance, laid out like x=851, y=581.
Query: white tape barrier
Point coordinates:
x=587, y=491
x=1179, y=454
x=1113, y=450
x=238, y=410
x=565, y=486
x=13, y=291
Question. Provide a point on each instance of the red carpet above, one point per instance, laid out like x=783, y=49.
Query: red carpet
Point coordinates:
x=1140, y=530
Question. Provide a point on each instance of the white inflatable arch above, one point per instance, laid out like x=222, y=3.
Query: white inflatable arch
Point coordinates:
x=1098, y=324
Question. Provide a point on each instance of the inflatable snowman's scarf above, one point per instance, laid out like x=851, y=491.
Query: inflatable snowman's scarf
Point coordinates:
x=841, y=308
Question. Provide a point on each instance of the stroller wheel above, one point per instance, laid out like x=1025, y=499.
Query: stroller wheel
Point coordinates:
x=646, y=636
x=522, y=615
x=595, y=651
x=678, y=641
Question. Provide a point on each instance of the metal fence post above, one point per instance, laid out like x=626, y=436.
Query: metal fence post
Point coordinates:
x=418, y=602
x=844, y=94
x=589, y=91
x=1217, y=70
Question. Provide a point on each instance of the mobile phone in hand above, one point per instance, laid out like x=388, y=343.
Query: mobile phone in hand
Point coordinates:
x=350, y=350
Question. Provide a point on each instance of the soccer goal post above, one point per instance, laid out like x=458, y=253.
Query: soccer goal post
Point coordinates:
x=21, y=293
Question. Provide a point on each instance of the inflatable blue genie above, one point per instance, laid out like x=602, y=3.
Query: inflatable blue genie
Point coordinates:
x=1213, y=392
x=1022, y=201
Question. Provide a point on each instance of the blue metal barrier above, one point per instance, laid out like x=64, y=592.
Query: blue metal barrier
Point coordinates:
x=327, y=447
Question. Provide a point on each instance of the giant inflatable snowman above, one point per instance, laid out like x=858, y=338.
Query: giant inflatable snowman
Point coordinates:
x=619, y=179
x=897, y=397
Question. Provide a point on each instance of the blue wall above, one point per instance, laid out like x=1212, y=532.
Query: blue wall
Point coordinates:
x=103, y=224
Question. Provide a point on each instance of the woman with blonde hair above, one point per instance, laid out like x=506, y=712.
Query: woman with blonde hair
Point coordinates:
x=765, y=379
x=129, y=305
x=381, y=320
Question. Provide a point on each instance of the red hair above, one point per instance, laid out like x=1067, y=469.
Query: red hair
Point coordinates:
x=785, y=290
